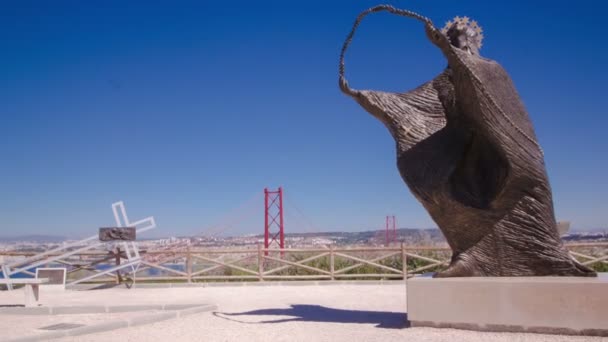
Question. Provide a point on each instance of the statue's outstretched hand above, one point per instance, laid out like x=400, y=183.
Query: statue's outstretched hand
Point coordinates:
x=345, y=88
x=343, y=84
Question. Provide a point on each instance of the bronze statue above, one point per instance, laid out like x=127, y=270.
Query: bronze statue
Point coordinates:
x=468, y=152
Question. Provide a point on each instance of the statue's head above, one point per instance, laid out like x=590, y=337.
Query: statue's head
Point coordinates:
x=461, y=33
x=464, y=34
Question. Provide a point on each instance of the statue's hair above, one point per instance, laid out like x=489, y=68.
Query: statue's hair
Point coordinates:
x=464, y=24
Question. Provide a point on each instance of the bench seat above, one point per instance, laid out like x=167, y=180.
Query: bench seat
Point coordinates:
x=32, y=288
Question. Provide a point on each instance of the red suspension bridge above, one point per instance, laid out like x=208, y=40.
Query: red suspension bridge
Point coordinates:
x=277, y=208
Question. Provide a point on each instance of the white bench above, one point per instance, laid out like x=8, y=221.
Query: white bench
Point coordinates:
x=32, y=288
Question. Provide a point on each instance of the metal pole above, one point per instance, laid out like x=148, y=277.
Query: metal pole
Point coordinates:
x=386, y=232
x=394, y=229
x=281, y=229
x=266, y=228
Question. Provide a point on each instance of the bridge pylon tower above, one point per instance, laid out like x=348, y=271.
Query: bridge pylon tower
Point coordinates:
x=274, y=226
x=391, y=229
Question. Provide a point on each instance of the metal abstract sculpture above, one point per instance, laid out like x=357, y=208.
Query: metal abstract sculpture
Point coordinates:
x=468, y=152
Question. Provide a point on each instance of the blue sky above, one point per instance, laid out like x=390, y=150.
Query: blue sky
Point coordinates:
x=187, y=110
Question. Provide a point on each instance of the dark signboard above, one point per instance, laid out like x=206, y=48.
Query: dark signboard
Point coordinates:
x=117, y=234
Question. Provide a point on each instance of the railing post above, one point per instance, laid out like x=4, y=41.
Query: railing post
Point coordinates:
x=404, y=261
x=189, y=264
x=331, y=262
x=260, y=263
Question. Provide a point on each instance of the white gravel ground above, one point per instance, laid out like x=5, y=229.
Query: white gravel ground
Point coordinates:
x=14, y=326
x=274, y=313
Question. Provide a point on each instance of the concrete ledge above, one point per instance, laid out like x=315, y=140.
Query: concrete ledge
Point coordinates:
x=130, y=308
x=151, y=318
x=548, y=305
x=42, y=337
x=250, y=283
x=189, y=309
x=180, y=306
x=195, y=310
x=94, y=309
x=74, y=310
x=20, y=310
x=100, y=327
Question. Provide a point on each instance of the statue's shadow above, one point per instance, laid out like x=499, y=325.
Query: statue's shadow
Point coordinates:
x=317, y=313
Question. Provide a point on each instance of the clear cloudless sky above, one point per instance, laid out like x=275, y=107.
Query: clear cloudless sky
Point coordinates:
x=187, y=110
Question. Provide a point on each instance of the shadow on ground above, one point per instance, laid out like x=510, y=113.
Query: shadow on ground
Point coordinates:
x=317, y=313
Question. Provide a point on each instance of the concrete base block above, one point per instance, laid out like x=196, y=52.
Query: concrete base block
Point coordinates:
x=554, y=305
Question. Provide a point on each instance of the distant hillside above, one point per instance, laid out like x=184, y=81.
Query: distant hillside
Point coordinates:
x=33, y=238
x=408, y=235
x=430, y=236
x=586, y=236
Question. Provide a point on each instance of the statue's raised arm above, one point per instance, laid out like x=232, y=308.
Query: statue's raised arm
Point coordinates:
x=467, y=150
x=410, y=117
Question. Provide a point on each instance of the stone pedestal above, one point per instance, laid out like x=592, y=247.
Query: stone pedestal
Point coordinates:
x=557, y=305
